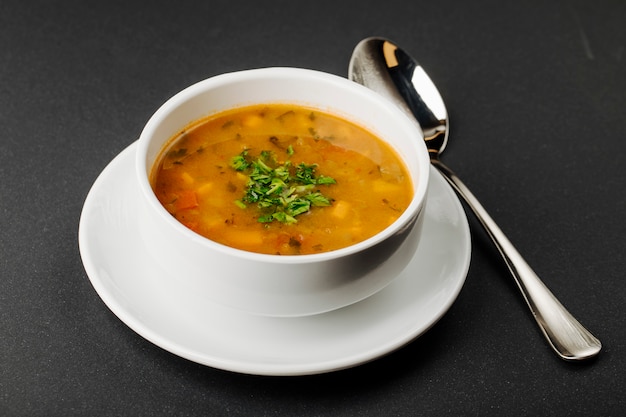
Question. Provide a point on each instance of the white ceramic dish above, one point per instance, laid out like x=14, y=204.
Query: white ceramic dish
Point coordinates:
x=129, y=283
x=282, y=285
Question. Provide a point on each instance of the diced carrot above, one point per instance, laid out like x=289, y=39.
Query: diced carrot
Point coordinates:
x=193, y=226
x=186, y=200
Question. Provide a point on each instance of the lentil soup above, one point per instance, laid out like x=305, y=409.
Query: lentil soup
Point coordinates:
x=281, y=179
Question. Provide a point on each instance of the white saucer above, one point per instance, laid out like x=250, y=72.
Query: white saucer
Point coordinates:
x=129, y=283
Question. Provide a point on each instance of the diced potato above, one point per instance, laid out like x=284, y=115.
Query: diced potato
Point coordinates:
x=243, y=238
x=205, y=190
x=212, y=220
x=187, y=178
x=384, y=187
x=341, y=209
x=357, y=231
x=304, y=122
x=252, y=120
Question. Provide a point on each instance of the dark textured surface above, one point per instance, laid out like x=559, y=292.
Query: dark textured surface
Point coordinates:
x=536, y=93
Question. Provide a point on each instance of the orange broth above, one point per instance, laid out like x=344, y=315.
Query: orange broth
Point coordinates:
x=195, y=182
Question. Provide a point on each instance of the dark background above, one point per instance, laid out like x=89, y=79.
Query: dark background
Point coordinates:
x=536, y=91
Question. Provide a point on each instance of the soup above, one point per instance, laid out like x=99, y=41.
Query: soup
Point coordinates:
x=281, y=179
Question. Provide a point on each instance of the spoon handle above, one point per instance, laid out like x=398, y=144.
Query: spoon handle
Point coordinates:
x=569, y=339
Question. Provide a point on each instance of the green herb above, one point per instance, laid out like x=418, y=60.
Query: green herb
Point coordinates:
x=281, y=190
x=239, y=162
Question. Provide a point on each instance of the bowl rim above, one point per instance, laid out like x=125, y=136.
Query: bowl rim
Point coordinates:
x=409, y=215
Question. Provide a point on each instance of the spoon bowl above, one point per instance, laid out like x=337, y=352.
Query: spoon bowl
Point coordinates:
x=382, y=66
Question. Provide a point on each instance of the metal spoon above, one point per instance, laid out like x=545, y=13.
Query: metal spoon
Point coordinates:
x=382, y=66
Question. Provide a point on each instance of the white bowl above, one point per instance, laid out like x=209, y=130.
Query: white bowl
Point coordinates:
x=271, y=284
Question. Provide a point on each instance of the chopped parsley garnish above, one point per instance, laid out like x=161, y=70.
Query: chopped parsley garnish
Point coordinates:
x=239, y=162
x=280, y=189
